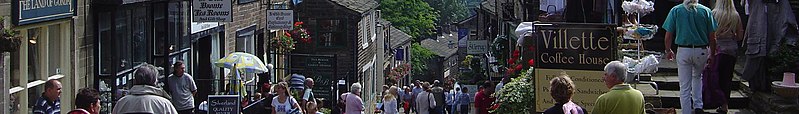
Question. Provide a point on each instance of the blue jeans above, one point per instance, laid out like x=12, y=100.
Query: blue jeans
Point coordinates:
x=691, y=63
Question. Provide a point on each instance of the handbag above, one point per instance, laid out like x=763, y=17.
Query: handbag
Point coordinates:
x=711, y=90
x=342, y=105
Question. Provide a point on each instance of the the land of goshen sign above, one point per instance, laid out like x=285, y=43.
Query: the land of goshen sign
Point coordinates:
x=575, y=46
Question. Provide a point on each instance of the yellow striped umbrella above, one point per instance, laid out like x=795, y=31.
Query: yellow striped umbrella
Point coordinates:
x=244, y=62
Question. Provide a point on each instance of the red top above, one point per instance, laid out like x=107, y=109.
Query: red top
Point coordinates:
x=482, y=102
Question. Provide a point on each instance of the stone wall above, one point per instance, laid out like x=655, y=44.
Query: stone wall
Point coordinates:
x=244, y=15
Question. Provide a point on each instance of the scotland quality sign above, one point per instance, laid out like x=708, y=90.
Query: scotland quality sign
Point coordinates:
x=33, y=11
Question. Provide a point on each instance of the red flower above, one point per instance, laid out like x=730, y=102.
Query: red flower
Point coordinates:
x=516, y=53
x=531, y=48
x=495, y=106
x=518, y=68
x=287, y=34
x=511, y=61
x=298, y=23
x=531, y=62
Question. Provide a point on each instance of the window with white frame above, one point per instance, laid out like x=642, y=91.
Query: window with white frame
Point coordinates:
x=39, y=58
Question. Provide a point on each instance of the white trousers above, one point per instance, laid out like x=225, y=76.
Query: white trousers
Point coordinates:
x=691, y=62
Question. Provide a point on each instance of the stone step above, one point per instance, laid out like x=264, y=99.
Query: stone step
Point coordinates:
x=729, y=111
x=770, y=103
x=671, y=98
x=672, y=82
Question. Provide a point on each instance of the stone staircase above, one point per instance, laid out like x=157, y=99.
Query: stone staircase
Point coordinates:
x=662, y=89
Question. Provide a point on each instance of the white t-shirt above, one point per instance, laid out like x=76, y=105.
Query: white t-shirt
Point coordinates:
x=425, y=101
x=285, y=107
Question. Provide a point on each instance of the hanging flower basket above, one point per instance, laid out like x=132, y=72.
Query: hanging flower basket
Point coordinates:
x=9, y=41
x=9, y=44
x=300, y=34
x=399, y=72
x=283, y=41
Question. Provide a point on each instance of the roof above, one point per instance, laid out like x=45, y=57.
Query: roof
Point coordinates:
x=470, y=18
x=359, y=6
x=398, y=37
x=489, y=5
x=443, y=47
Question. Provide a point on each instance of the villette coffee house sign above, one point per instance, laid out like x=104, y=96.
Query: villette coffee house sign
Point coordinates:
x=575, y=46
x=579, y=50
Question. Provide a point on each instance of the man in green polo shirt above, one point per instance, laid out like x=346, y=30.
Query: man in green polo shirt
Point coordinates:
x=622, y=98
x=693, y=25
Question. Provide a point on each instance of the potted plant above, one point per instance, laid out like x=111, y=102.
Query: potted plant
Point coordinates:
x=786, y=64
x=9, y=41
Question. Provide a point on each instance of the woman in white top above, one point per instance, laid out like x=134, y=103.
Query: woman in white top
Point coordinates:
x=390, y=101
x=425, y=100
x=283, y=103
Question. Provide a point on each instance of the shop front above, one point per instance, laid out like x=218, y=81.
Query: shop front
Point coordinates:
x=131, y=33
x=208, y=42
x=45, y=32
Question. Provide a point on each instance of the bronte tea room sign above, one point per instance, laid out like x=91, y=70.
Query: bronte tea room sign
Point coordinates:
x=279, y=19
x=575, y=46
x=211, y=11
x=34, y=11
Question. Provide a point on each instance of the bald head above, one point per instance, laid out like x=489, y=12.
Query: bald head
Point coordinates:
x=309, y=82
x=52, y=89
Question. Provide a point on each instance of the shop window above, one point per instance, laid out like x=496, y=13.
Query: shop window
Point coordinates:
x=160, y=32
x=175, y=31
x=34, y=37
x=33, y=94
x=123, y=42
x=107, y=49
x=245, y=39
x=54, y=53
x=14, y=103
x=329, y=33
x=140, y=40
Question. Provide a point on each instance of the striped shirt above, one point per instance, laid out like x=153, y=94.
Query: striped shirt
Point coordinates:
x=43, y=106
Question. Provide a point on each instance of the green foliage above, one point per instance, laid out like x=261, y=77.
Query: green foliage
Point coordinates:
x=450, y=10
x=325, y=110
x=6, y=32
x=420, y=56
x=467, y=62
x=785, y=59
x=414, y=17
x=518, y=96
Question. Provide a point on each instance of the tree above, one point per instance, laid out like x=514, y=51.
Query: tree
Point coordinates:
x=450, y=10
x=419, y=58
x=414, y=17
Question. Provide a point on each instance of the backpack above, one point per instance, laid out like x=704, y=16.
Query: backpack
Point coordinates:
x=342, y=104
x=431, y=108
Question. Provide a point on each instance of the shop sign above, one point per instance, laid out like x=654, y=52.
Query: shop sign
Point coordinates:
x=279, y=19
x=34, y=11
x=211, y=11
x=588, y=87
x=319, y=67
x=477, y=47
x=223, y=104
x=575, y=46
